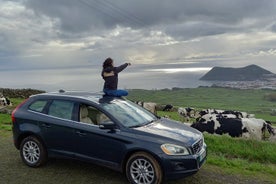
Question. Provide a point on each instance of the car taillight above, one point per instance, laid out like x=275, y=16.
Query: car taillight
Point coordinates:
x=13, y=112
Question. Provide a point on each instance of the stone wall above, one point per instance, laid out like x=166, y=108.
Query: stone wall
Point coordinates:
x=19, y=93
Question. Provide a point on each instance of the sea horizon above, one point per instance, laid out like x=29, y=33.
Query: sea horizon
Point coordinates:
x=89, y=78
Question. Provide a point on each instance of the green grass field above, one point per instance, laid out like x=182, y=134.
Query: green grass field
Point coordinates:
x=251, y=101
x=230, y=158
x=5, y=122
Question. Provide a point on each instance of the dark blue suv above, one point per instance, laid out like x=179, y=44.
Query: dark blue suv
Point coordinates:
x=109, y=131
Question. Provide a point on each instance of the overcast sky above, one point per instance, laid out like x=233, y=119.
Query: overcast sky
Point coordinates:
x=53, y=42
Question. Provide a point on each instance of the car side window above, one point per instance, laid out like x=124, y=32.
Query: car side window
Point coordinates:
x=61, y=109
x=85, y=114
x=38, y=105
x=91, y=115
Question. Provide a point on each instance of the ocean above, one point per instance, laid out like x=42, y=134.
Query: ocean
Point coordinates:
x=89, y=78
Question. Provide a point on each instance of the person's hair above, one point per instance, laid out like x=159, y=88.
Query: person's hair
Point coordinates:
x=107, y=63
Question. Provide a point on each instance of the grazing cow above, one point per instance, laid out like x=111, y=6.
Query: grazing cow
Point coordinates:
x=4, y=101
x=235, y=127
x=168, y=107
x=186, y=113
x=209, y=111
x=237, y=114
x=150, y=106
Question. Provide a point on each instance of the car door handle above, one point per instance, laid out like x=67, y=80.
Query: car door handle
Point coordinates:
x=80, y=133
x=46, y=125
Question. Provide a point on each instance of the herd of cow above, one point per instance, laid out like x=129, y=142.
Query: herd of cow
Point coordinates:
x=233, y=123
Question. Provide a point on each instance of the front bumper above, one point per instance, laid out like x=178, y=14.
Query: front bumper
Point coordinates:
x=176, y=167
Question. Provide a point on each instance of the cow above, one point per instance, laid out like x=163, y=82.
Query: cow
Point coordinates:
x=4, y=101
x=186, y=113
x=237, y=114
x=235, y=127
x=168, y=107
x=150, y=106
x=209, y=111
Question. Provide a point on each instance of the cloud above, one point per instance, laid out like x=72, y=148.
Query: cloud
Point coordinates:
x=85, y=15
x=67, y=34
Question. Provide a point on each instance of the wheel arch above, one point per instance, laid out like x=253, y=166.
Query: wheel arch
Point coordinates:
x=27, y=134
x=131, y=152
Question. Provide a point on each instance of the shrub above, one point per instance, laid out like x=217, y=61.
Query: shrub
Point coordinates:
x=271, y=97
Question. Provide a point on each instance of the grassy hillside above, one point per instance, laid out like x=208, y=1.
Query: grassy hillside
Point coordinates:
x=251, y=101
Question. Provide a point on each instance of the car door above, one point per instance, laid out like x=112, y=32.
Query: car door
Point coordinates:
x=58, y=128
x=103, y=146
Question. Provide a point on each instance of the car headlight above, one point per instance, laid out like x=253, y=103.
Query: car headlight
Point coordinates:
x=172, y=149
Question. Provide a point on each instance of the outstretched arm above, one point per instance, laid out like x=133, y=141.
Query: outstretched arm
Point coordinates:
x=121, y=68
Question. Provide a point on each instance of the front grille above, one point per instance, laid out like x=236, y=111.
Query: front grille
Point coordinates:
x=197, y=146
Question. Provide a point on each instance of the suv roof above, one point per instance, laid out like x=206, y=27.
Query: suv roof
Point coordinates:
x=93, y=96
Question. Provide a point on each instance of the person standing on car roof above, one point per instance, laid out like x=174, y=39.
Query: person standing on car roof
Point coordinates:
x=110, y=76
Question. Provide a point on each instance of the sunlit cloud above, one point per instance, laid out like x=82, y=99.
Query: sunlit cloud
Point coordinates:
x=178, y=70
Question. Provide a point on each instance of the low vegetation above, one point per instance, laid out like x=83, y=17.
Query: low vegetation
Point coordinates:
x=271, y=97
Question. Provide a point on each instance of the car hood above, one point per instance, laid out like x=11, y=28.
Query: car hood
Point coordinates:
x=170, y=129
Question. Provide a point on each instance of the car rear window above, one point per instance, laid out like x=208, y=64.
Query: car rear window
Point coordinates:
x=61, y=109
x=38, y=105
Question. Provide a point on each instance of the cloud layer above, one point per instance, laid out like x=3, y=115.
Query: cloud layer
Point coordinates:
x=68, y=34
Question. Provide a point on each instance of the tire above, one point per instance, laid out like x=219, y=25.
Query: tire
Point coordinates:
x=32, y=152
x=143, y=168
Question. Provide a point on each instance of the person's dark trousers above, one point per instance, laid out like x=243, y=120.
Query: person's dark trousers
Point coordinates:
x=117, y=93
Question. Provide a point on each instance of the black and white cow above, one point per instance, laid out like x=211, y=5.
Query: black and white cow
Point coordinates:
x=186, y=113
x=168, y=107
x=209, y=111
x=235, y=127
x=4, y=101
x=237, y=114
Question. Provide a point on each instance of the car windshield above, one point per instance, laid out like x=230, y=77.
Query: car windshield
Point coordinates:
x=128, y=113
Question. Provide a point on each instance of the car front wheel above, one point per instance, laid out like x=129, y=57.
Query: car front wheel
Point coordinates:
x=32, y=152
x=143, y=168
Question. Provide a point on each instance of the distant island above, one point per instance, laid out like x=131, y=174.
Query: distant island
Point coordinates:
x=248, y=73
x=248, y=77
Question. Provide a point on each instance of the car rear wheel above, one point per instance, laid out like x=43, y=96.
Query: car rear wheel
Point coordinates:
x=143, y=168
x=32, y=152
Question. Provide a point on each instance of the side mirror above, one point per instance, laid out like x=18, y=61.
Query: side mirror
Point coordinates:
x=107, y=125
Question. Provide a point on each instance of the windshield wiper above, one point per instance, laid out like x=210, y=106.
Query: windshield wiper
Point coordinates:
x=143, y=124
x=152, y=121
x=136, y=126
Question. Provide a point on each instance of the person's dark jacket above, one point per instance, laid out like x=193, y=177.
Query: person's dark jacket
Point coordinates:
x=110, y=76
